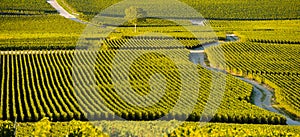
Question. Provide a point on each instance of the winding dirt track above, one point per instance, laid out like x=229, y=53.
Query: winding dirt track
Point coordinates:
x=62, y=11
x=262, y=97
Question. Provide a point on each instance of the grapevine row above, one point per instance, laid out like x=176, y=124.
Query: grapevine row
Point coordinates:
x=37, y=84
x=145, y=128
x=38, y=32
x=273, y=64
x=25, y=7
x=209, y=9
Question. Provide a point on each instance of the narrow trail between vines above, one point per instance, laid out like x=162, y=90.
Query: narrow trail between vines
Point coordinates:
x=63, y=12
x=261, y=97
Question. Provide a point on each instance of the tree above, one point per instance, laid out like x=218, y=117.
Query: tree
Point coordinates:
x=134, y=15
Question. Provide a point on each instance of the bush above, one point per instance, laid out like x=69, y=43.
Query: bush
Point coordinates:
x=79, y=129
x=42, y=128
x=7, y=129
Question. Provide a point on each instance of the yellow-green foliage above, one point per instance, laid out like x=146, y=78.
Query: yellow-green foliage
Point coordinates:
x=162, y=128
x=42, y=128
x=7, y=128
x=25, y=7
x=276, y=65
x=38, y=32
x=263, y=31
x=215, y=9
x=45, y=84
x=78, y=128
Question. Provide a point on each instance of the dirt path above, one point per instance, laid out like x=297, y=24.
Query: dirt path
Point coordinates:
x=261, y=97
x=62, y=11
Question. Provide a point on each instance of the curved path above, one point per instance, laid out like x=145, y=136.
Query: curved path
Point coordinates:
x=62, y=11
x=261, y=97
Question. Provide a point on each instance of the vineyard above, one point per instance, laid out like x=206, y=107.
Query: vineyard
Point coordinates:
x=54, y=96
x=230, y=9
x=108, y=75
x=273, y=64
x=286, y=92
x=265, y=31
x=38, y=32
x=25, y=7
x=149, y=43
x=23, y=32
x=150, y=128
x=258, y=58
x=151, y=34
x=55, y=32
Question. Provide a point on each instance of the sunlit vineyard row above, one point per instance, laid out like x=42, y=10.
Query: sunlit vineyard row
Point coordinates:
x=23, y=7
x=153, y=32
x=273, y=64
x=265, y=31
x=286, y=91
x=235, y=9
x=148, y=43
x=48, y=77
x=114, y=77
x=45, y=32
x=232, y=9
x=38, y=32
x=246, y=58
x=149, y=128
